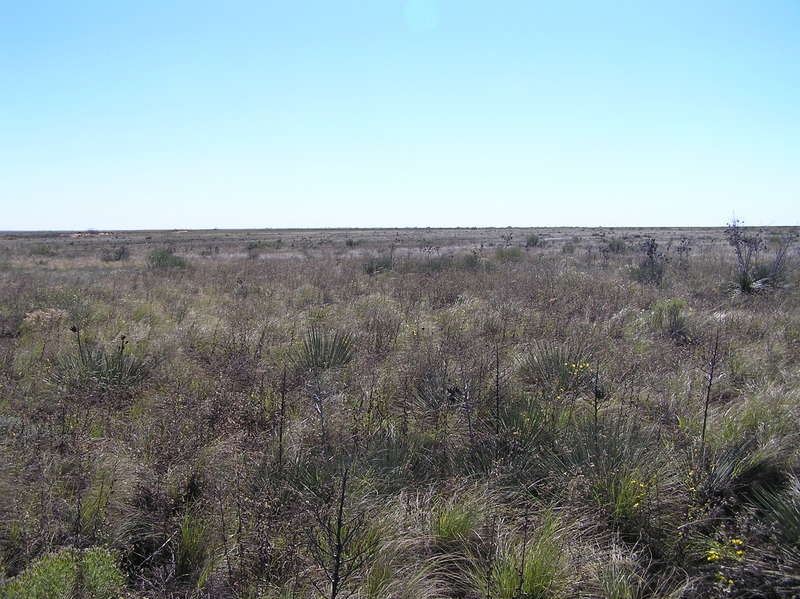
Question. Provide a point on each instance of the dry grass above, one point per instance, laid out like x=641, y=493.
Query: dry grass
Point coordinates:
x=478, y=465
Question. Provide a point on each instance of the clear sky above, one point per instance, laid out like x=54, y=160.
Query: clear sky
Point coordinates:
x=139, y=114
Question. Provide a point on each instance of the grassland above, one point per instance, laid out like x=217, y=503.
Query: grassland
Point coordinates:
x=498, y=413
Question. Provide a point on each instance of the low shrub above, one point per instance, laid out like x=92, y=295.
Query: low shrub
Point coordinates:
x=667, y=316
x=508, y=254
x=163, y=259
x=378, y=264
x=555, y=369
x=652, y=266
x=534, y=241
x=616, y=245
x=116, y=254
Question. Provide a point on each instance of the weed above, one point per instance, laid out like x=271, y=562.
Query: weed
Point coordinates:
x=557, y=370
x=507, y=255
x=667, y=316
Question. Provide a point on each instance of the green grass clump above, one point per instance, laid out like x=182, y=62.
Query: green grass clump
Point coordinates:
x=90, y=573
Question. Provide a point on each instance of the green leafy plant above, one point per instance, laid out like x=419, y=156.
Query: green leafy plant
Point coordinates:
x=667, y=316
x=617, y=245
x=116, y=254
x=528, y=562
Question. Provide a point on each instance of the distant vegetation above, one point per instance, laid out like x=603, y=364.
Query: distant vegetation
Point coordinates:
x=412, y=413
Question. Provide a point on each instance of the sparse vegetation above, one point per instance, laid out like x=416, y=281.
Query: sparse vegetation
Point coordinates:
x=416, y=414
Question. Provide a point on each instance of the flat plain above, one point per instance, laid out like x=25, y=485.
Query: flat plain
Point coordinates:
x=519, y=412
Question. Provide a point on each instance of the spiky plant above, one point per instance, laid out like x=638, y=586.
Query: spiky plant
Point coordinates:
x=99, y=373
x=323, y=350
x=557, y=369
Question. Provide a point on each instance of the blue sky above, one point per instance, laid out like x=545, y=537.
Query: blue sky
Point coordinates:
x=143, y=114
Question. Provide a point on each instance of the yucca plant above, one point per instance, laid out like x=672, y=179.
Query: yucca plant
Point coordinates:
x=322, y=350
x=557, y=369
x=781, y=511
x=612, y=468
x=97, y=371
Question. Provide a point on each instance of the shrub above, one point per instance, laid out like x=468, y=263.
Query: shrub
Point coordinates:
x=115, y=255
x=508, y=254
x=557, y=369
x=752, y=274
x=667, y=316
x=525, y=564
x=471, y=261
x=652, y=265
x=533, y=241
x=42, y=249
x=378, y=264
x=163, y=259
x=616, y=245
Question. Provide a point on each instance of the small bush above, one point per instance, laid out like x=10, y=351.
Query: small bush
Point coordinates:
x=617, y=245
x=752, y=273
x=378, y=264
x=116, y=254
x=652, y=265
x=42, y=249
x=163, y=259
x=471, y=261
x=568, y=248
x=533, y=241
x=525, y=564
x=557, y=369
x=508, y=254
